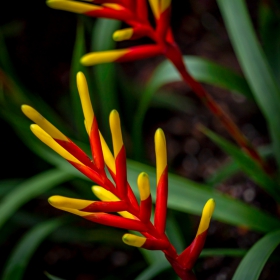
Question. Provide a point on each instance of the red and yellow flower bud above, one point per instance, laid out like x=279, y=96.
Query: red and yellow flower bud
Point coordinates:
x=143, y=242
x=145, y=197
x=122, y=55
x=91, y=123
x=189, y=256
x=162, y=181
x=86, y=205
x=119, y=154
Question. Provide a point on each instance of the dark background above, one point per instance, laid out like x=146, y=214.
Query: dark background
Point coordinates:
x=40, y=44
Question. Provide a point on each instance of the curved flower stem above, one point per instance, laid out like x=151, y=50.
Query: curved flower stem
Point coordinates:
x=174, y=55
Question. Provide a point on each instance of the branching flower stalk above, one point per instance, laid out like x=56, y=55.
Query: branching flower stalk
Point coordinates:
x=135, y=14
x=115, y=194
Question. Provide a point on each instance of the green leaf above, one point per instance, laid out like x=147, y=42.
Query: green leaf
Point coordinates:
x=230, y=168
x=172, y=101
x=78, y=51
x=51, y=277
x=252, y=264
x=105, y=74
x=201, y=69
x=153, y=270
x=190, y=197
x=269, y=22
x=223, y=173
x=246, y=163
x=255, y=67
x=222, y=252
x=29, y=189
x=7, y=185
x=25, y=248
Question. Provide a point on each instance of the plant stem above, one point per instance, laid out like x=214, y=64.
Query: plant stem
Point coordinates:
x=174, y=55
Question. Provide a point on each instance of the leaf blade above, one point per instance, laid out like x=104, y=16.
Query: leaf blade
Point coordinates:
x=29, y=189
x=23, y=251
x=256, y=257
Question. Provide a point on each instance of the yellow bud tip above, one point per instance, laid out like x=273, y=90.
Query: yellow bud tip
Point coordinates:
x=124, y=34
x=72, y=6
x=66, y=202
x=206, y=216
x=161, y=153
x=115, y=126
x=133, y=240
x=26, y=109
x=209, y=208
x=31, y=113
x=55, y=4
x=103, y=194
x=102, y=57
x=36, y=129
x=36, y=117
x=85, y=100
x=56, y=200
x=143, y=185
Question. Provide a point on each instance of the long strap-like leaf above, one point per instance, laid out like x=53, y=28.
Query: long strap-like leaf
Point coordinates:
x=252, y=264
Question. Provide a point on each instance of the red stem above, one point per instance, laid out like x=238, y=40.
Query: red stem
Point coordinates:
x=174, y=55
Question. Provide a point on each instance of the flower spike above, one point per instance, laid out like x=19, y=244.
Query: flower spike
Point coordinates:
x=118, y=206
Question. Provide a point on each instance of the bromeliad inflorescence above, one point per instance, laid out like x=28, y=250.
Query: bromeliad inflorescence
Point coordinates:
x=116, y=194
